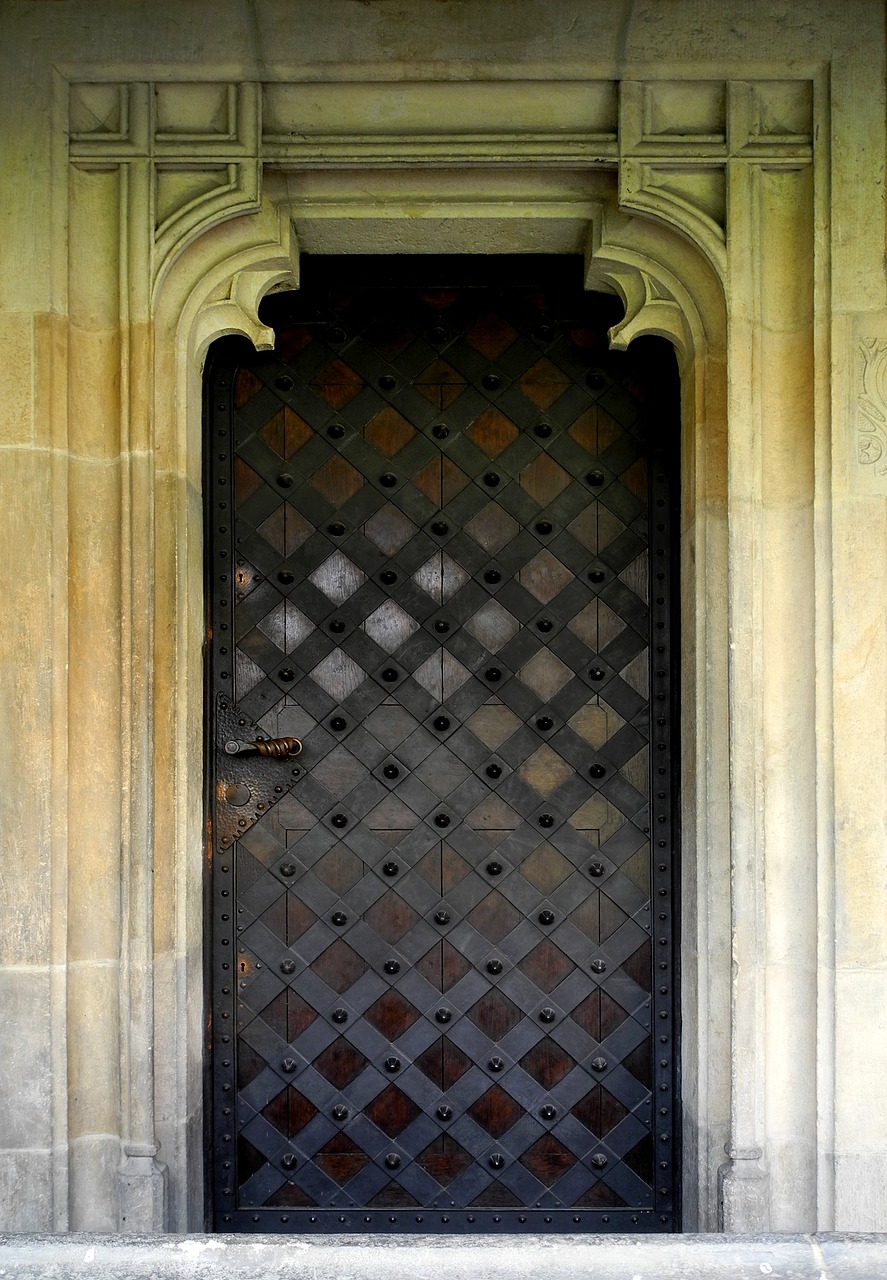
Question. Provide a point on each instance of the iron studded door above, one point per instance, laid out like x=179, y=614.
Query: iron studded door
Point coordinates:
x=443, y=994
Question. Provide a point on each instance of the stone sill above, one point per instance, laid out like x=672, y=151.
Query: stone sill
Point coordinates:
x=431, y=1257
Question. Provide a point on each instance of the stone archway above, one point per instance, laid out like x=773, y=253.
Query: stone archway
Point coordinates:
x=666, y=239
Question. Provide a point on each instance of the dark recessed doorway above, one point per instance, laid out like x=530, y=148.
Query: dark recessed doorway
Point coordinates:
x=441, y=702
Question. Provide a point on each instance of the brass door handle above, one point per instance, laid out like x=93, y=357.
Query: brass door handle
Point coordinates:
x=279, y=748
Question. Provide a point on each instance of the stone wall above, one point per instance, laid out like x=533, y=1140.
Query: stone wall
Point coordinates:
x=722, y=170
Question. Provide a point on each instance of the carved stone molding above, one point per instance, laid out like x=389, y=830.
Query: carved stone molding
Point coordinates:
x=206, y=143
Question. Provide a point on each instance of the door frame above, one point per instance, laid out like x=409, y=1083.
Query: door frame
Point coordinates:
x=668, y=288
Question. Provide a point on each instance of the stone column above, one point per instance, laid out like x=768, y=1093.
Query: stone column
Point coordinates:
x=770, y=1181
x=95, y=738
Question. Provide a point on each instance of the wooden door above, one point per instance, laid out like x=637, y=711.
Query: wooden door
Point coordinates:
x=440, y=559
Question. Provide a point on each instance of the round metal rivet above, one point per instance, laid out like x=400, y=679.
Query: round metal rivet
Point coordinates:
x=491, y=479
x=391, y=966
x=440, y=527
x=289, y=1065
x=391, y=771
x=388, y=480
x=285, y=577
x=444, y=1112
x=440, y=432
x=596, y=673
x=336, y=529
x=599, y=1064
x=596, y=479
x=286, y=674
x=597, y=771
x=392, y=1064
x=544, y=527
x=390, y=869
x=285, y=480
x=441, y=917
x=338, y=723
x=289, y=1161
x=337, y=626
x=598, y=966
x=388, y=577
x=339, y=918
x=595, y=380
x=494, y=771
x=339, y=820
x=494, y=868
x=340, y=1112
x=543, y=429
x=492, y=575
x=441, y=723
x=544, y=624
x=493, y=674
x=547, y=1015
x=546, y=820
x=392, y=1161
x=387, y=382
x=496, y=1064
x=287, y=966
x=548, y=1112
x=544, y=723
x=336, y=431
x=441, y=626
x=238, y=793
x=389, y=675
x=437, y=334
x=284, y=383
x=546, y=917
x=339, y=1015
x=441, y=820
x=596, y=869
x=494, y=966
x=497, y=1160
x=491, y=381
x=599, y=1161
x=443, y=1015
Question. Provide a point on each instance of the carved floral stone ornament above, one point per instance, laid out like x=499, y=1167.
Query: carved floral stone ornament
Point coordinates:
x=871, y=440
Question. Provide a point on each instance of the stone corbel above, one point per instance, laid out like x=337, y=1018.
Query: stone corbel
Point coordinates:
x=238, y=311
x=650, y=298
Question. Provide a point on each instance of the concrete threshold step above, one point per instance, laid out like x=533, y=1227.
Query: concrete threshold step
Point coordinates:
x=432, y=1257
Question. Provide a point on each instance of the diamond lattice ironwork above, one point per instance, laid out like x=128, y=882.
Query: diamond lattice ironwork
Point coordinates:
x=448, y=586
